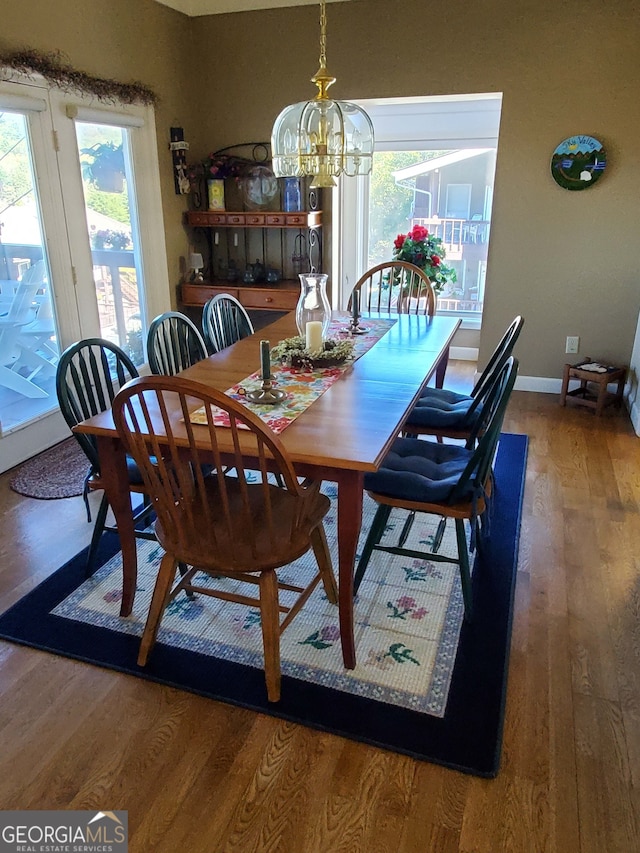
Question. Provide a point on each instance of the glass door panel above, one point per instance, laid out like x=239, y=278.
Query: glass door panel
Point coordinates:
x=28, y=331
x=112, y=227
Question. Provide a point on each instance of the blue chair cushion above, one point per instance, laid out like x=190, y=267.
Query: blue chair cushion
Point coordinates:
x=135, y=478
x=421, y=471
x=440, y=408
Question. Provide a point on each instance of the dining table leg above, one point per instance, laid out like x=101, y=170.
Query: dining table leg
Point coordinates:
x=115, y=478
x=350, y=490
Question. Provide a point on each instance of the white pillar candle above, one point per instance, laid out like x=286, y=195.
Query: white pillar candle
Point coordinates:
x=313, y=331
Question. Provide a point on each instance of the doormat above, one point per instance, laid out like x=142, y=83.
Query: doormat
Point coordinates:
x=56, y=473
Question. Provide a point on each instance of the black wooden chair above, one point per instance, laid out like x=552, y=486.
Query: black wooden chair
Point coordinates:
x=443, y=479
x=447, y=414
x=88, y=376
x=224, y=321
x=173, y=344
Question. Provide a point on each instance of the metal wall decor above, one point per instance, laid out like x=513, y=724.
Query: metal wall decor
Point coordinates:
x=179, y=148
x=578, y=162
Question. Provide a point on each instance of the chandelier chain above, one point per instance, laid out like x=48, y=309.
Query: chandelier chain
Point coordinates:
x=323, y=34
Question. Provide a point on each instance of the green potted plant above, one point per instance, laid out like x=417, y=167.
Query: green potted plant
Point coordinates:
x=103, y=166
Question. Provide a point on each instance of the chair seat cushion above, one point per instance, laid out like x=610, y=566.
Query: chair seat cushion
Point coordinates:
x=135, y=477
x=440, y=408
x=421, y=471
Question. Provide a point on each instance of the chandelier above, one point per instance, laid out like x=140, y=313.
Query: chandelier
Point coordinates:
x=322, y=138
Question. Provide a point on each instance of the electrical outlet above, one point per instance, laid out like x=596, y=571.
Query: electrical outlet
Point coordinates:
x=573, y=344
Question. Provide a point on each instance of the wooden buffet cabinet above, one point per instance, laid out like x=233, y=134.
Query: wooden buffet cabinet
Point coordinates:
x=278, y=240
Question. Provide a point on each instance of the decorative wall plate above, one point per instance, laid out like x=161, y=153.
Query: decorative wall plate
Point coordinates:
x=259, y=186
x=578, y=162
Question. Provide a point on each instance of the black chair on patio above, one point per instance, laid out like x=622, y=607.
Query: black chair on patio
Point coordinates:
x=442, y=479
x=89, y=374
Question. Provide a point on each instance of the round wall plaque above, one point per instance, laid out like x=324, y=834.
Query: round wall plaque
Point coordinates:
x=578, y=162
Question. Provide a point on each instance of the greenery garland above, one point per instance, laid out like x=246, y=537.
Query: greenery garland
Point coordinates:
x=58, y=72
x=292, y=352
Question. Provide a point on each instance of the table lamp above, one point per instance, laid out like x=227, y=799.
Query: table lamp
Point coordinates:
x=196, y=263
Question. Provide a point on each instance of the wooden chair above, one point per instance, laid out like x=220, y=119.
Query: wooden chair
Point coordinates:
x=221, y=525
x=398, y=287
x=443, y=479
x=88, y=376
x=173, y=344
x=224, y=321
x=447, y=414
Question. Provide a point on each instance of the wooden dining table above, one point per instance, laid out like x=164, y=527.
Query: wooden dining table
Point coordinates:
x=342, y=435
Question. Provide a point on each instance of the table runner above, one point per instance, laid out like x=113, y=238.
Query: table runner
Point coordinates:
x=301, y=385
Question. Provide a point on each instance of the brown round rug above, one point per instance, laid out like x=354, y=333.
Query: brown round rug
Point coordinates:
x=56, y=473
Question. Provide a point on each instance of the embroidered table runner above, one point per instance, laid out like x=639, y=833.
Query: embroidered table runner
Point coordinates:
x=301, y=386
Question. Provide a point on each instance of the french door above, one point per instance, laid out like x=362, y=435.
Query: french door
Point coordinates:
x=81, y=246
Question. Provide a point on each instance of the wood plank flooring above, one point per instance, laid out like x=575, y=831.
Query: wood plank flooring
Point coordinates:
x=201, y=776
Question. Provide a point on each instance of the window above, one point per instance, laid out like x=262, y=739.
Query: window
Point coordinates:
x=434, y=164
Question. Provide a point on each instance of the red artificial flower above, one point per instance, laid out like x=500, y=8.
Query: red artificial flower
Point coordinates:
x=435, y=260
x=399, y=240
x=418, y=232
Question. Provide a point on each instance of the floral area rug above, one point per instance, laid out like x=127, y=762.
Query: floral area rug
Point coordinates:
x=408, y=615
x=407, y=621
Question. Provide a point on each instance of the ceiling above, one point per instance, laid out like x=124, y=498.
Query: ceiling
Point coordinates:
x=193, y=8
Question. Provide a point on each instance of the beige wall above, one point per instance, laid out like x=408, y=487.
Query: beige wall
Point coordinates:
x=567, y=261
x=125, y=40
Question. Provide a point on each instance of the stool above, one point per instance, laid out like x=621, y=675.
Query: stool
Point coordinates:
x=586, y=394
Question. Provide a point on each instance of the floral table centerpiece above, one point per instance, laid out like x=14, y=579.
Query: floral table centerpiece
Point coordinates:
x=292, y=352
x=427, y=252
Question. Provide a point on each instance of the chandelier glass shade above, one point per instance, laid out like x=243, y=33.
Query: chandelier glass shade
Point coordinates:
x=322, y=138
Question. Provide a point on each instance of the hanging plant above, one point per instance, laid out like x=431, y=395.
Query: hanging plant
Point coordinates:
x=103, y=166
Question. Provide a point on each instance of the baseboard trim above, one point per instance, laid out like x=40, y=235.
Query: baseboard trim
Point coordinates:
x=634, y=414
x=463, y=353
x=540, y=384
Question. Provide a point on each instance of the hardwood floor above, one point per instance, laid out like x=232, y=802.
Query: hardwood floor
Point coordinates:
x=201, y=776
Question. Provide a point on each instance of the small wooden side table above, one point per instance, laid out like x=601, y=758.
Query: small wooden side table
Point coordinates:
x=592, y=390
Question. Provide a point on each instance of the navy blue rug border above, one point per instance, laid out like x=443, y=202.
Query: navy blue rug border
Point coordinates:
x=468, y=738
